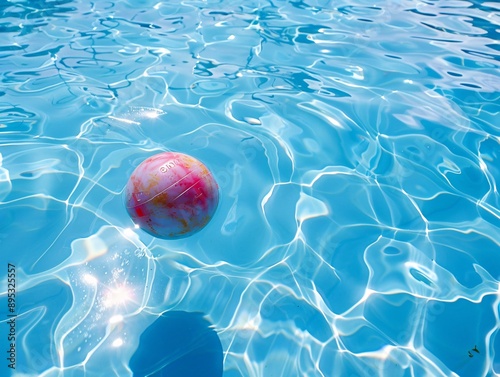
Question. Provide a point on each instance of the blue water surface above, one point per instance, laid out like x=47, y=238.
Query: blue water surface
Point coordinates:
x=356, y=145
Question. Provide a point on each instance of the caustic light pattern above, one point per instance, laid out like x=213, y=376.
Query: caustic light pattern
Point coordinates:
x=171, y=195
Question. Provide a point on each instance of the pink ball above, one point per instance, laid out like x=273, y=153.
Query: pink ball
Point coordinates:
x=171, y=195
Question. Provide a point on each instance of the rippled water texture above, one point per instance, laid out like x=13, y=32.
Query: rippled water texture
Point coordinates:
x=357, y=150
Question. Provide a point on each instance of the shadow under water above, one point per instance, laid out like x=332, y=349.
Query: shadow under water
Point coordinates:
x=178, y=344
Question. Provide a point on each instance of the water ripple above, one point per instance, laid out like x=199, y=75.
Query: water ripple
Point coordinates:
x=357, y=150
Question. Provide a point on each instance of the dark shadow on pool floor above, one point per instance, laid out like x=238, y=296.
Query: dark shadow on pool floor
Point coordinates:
x=178, y=344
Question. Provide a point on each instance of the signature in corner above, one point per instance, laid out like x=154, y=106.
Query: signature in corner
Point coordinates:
x=474, y=349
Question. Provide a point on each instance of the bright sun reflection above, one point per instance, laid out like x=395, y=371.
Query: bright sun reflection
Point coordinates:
x=117, y=296
x=117, y=342
x=89, y=279
x=116, y=319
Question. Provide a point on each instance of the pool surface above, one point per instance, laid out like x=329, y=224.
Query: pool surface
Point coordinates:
x=356, y=146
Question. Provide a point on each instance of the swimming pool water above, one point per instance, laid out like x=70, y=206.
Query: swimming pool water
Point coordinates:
x=356, y=146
